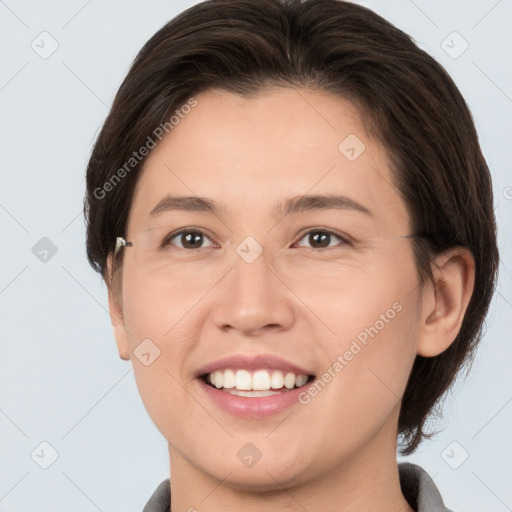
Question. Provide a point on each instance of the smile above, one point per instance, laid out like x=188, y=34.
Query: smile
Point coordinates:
x=253, y=386
x=258, y=383
x=253, y=395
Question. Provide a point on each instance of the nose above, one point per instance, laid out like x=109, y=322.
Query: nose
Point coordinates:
x=254, y=299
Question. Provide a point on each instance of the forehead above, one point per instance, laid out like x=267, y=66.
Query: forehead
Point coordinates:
x=250, y=153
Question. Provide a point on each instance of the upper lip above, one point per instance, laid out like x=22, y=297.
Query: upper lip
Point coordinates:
x=255, y=362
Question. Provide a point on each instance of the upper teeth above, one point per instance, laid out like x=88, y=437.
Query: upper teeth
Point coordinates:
x=260, y=380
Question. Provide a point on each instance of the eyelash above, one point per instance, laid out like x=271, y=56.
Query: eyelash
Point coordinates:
x=168, y=240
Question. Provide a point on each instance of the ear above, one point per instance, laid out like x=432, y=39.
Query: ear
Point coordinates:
x=116, y=315
x=445, y=304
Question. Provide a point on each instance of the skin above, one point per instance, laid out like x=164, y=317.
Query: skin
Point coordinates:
x=337, y=452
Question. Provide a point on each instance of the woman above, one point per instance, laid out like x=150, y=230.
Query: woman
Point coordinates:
x=292, y=213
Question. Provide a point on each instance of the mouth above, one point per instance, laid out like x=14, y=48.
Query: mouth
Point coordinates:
x=253, y=386
x=255, y=383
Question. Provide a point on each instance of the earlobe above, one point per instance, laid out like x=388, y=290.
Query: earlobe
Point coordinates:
x=445, y=304
x=116, y=316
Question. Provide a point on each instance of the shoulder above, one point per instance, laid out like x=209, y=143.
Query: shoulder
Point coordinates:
x=419, y=489
x=160, y=500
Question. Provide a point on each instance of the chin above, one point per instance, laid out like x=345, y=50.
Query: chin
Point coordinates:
x=267, y=474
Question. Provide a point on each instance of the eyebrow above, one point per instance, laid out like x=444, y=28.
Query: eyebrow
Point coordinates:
x=292, y=205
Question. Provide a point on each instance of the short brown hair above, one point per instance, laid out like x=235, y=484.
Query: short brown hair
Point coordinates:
x=406, y=99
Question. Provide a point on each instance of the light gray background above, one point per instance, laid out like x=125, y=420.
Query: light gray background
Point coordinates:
x=61, y=380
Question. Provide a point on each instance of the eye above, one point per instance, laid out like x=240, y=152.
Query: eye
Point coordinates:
x=188, y=238
x=194, y=239
x=322, y=238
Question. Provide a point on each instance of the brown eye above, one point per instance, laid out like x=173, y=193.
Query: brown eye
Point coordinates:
x=188, y=239
x=321, y=238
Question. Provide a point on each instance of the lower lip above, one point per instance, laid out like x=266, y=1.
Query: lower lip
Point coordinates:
x=252, y=407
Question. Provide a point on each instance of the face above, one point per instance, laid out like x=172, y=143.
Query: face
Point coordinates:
x=303, y=311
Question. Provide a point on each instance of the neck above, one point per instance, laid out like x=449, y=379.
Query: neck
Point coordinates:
x=364, y=482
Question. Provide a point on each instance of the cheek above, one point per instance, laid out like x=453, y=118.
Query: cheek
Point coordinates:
x=153, y=309
x=364, y=382
x=365, y=298
x=163, y=321
x=385, y=361
x=375, y=320
x=156, y=325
